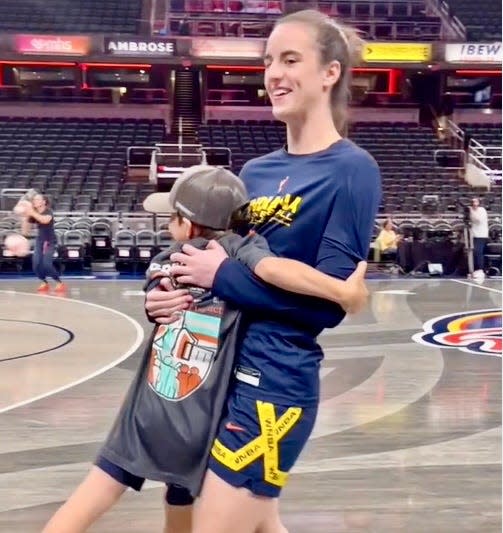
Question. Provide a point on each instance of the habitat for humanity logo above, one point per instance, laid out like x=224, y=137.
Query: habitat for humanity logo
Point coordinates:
x=477, y=332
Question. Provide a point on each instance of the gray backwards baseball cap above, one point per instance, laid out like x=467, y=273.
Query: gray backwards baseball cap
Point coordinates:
x=203, y=194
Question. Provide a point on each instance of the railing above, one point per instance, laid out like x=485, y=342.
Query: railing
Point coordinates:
x=249, y=25
x=227, y=96
x=274, y=7
x=159, y=16
x=142, y=220
x=9, y=197
x=141, y=150
x=376, y=19
x=173, y=158
x=455, y=133
x=456, y=29
x=217, y=156
x=486, y=158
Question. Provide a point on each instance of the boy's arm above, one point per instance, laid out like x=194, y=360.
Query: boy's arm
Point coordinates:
x=295, y=276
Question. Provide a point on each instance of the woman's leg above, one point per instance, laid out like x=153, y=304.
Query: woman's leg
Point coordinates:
x=178, y=510
x=221, y=506
x=273, y=522
x=36, y=261
x=256, y=446
x=92, y=498
x=48, y=262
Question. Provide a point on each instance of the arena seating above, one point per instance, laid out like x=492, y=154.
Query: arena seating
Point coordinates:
x=489, y=136
x=404, y=151
x=83, y=240
x=71, y=16
x=482, y=19
x=93, y=95
x=79, y=163
x=486, y=134
x=405, y=19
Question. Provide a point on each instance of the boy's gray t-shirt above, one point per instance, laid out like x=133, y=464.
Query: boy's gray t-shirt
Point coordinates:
x=169, y=419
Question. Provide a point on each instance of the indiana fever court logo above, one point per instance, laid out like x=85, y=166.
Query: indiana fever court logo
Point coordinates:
x=182, y=354
x=476, y=332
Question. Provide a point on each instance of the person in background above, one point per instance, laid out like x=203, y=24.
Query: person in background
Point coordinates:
x=387, y=241
x=39, y=212
x=480, y=232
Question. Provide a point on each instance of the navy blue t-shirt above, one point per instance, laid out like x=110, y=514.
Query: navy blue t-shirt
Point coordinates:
x=46, y=232
x=320, y=209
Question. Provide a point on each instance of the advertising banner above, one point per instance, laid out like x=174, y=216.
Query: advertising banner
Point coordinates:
x=227, y=48
x=140, y=47
x=397, y=52
x=56, y=45
x=474, y=53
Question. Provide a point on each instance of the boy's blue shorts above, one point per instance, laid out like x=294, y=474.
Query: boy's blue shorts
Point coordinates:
x=175, y=494
x=258, y=443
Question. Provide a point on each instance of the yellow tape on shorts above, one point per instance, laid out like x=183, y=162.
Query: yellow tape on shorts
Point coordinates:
x=265, y=445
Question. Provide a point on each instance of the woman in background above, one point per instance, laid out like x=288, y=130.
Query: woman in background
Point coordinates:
x=38, y=212
x=387, y=241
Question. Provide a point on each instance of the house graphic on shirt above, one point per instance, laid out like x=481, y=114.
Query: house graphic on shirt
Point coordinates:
x=183, y=354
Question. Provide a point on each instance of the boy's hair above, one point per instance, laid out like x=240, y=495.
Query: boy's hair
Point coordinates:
x=204, y=231
x=238, y=223
x=208, y=196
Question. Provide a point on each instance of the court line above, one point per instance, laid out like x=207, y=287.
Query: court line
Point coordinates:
x=491, y=289
x=140, y=335
x=71, y=336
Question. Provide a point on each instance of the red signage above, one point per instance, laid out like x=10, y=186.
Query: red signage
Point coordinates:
x=57, y=45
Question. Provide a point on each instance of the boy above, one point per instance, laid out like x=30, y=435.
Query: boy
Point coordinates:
x=169, y=419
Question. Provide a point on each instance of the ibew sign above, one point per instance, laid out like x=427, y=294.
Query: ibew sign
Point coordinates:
x=474, y=53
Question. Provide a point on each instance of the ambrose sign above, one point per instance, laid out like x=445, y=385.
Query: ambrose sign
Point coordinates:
x=133, y=47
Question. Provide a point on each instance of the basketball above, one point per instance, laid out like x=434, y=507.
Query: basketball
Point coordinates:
x=17, y=245
x=21, y=207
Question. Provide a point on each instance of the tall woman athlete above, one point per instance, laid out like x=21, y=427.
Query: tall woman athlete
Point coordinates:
x=314, y=200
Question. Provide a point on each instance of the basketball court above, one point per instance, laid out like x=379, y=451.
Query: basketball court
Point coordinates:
x=408, y=433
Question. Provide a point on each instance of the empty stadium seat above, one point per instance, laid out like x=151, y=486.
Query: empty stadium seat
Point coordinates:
x=72, y=250
x=101, y=240
x=75, y=16
x=125, y=251
x=404, y=151
x=80, y=163
x=146, y=246
x=482, y=19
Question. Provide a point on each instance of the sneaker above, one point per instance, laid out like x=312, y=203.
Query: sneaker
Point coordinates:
x=479, y=275
x=43, y=287
x=60, y=287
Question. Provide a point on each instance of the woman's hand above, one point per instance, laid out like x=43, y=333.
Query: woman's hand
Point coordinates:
x=198, y=267
x=357, y=294
x=163, y=304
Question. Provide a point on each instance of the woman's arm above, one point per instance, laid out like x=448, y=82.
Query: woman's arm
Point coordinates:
x=25, y=226
x=344, y=243
x=295, y=276
x=42, y=219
